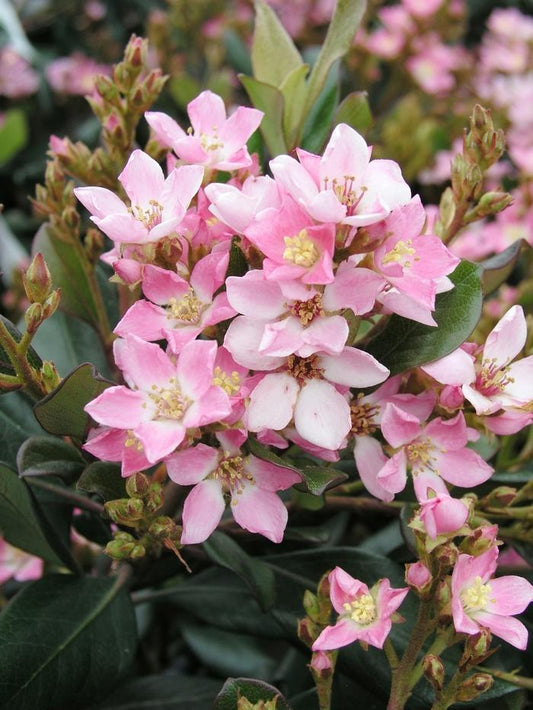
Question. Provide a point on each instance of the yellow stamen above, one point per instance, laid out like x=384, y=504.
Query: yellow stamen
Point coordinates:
x=300, y=250
x=361, y=610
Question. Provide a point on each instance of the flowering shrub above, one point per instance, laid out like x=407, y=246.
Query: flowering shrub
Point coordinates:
x=266, y=315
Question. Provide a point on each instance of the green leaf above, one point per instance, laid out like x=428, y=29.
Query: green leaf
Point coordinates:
x=237, y=52
x=41, y=455
x=344, y=23
x=294, y=90
x=19, y=524
x=168, y=691
x=6, y=368
x=318, y=123
x=318, y=479
x=61, y=412
x=268, y=99
x=405, y=343
x=237, y=264
x=68, y=274
x=262, y=452
x=255, y=573
x=86, y=641
x=499, y=267
x=251, y=689
x=274, y=55
x=103, y=479
x=13, y=133
x=354, y=111
x=17, y=423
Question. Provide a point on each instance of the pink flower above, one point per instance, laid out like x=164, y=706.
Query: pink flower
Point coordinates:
x=418, y=576
x=158, y=205
x=479, y=601
x=249, y=481
x=165, y=397
x=74, y=74
x=17, y=77
x=215, y=141
x=440, y=513
x=19, y=565
x=239, y=207
x=343, y=185
x=364, y=614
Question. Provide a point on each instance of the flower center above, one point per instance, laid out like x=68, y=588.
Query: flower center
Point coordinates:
x=476, y=596
x=361, y=610
x=345, y=192
x=186, y=308
x=300, y=250
x=233, y=475
x=419, y=454
x=211, y=141
x=230, y=383
x=170, y=403
x=363, y=414
x=306, y=311
x=401, y=254
x=149, y=216
x=492, y=379
x=304, y=368
x=131, y=440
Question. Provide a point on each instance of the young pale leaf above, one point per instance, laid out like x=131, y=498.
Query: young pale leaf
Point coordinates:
x=274, y=55
x=354, y=111
x=498, y=268
x=268, y=99
x=86, y=641
x=253, y=690
x=19, y=524
x=294, y=90
x=344, y=23
x=255, y=573
x=405, y=343
x=61, y=412
x=319, y=121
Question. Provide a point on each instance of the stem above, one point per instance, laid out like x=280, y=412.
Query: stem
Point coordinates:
x=447, y=697
x=439, y=644
x=24, y=372
x=518, y=680
x=71, y=496
x=456, y=223
x=390, y=652
x=369, y=504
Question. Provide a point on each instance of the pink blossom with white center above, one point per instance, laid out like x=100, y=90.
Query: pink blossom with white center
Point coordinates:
x=237, y=206
x=364, y=614
x=433, y=65
x=438, y=447
x=179, y=309
x=165, y=396
x=214, y=140
x=295, y=247
x=440, y=513
x=344, y=185
x=250, y=482
x=493, y=382
x=158, y=205
x=307, y=390
x=19, y=565
x=479, y=601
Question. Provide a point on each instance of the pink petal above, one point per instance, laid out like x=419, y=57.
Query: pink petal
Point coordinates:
x=214, y=405
x=202, y=511
x=181, y=186
x=507, y=338
x=342, y=634
x=270, y=477
x=506, y=627
x=160, y=285
x=208, y=274
x=322, y=415
x=100, y=201
x=457, y=368
x=353, y=368
x=143, y=364
x=509, y=595
x=463, y=468
x=520, y=387
x=327, y=334
x=142, y=179
x=260, y=511
x=398, y=426
x=393, y=476
x=242, y=339
x=239, y=127
x=159, y=437
x=325, y=207
x=123, y=228
x=282, y=338
x=344, y=588
x=143, y=319
x=370, y=459
x=346, y=154
x=254, y=296
x=272, y=402
x=354, y=287
x=118, y=407
x=207, y=112
x=448, y=434
x=165, y=128
x=192, y=465
x=294, y=178
x=195, y=367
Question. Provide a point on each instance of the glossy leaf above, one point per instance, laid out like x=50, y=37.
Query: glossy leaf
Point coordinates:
x=41, y=455
x=344, y=23
x=168, y=691
x=499, y=267
x=355, y=111
x=318, y=123
x=17, y=423
x=86, y=641
x=405, y=343
x=255, y=573
x=61, y=412
x=294, y=90
x=262, y=452
x=103, y=479
x=274, y=55
x=251, y=689
x=13, y=133
x=268, y=99
x=19, y=524
x=318, y=479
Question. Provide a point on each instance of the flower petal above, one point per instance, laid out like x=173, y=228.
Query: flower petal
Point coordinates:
x=202, y=511
x=260, y=511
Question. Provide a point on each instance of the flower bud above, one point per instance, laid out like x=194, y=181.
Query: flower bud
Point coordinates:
x=500, y=497
x=121, y=546
x=447, y=554
x=477, y=648
x=126, y=511
x=37, y=280
x=135, y=52
x=311, y=606
x=308, y=631
x=33, y=317
x=137, y=486
x=321, y=666
x=474, y=686
x=418, y=577
x=154, y=497
x=433, y=669
x=105, y=86
x=51, y=303
x=163, y=527
x=491, y=203
x=50, y=375
x=71, y=217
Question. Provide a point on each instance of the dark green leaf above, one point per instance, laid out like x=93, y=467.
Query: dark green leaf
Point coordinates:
x=61, y=412
x=318, y=123
x=262, y=452
x=40, y=455
x=498, y=268
x=237, y=265
x=6, y=368
x=294, y=90
x=169, y=691
x=64, y=640
x=17, y=423
x=13, y=133
x=318, y=479
x=255, y=573
x=268, y=99
x=274, y=55
x=237, y=52
x=19, y=524
x=355, y=111
x=344, y=23
x=405, y=343
x=103, y=479
x=251, y=689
